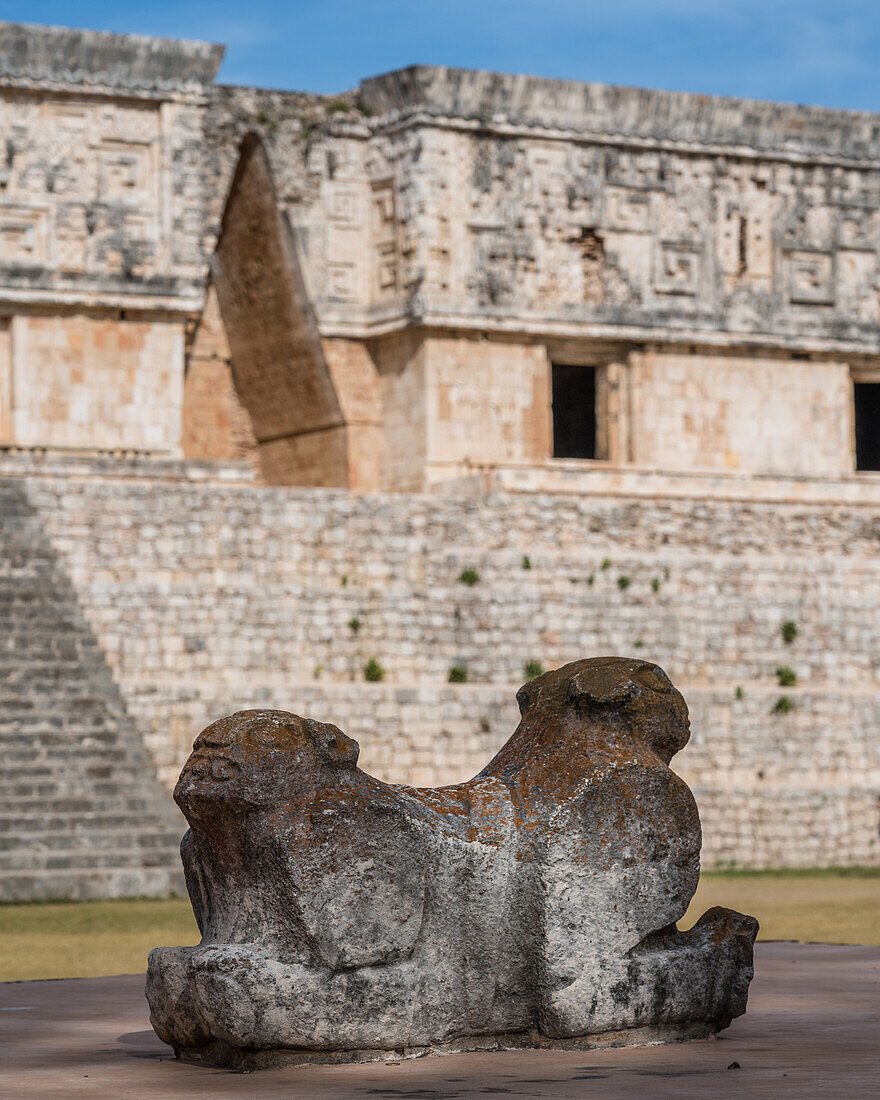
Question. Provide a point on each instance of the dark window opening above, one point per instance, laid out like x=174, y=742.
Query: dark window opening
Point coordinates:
x=574, y=411
x=867, y=405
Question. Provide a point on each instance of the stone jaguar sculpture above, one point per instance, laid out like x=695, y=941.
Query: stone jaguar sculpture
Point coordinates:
x=345, y=918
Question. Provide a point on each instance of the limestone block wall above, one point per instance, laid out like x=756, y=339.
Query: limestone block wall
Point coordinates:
x=506, y=417
x=755, y=414
x=453, y=401
x=96, y=382
x=772, y=791
x=215, y=423
x=211, y=596
x=400, y=363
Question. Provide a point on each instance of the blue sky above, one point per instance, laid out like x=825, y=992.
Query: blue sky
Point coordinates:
x=807, y=51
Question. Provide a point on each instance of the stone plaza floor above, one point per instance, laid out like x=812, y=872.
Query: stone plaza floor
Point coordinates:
x=812, y=1030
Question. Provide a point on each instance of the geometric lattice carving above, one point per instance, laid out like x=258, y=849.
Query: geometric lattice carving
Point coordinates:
x=23, y=235
x=125, y=171
x=676, y=268
x=343, y=206
x=384, y=232
x=811, y=278
x=627, y=210
x=341, y=281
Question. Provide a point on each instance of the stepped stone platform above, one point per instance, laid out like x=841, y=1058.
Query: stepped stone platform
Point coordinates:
x=81, y=811
x=811, y=1031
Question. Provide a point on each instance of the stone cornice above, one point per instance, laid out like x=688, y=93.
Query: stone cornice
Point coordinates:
x=619, y=114
x=182, y=305
x=418, y=117
x=61, y=59
x=550, y=328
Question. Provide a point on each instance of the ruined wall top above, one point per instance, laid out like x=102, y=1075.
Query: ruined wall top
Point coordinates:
x=618, y=113
x=60, y=58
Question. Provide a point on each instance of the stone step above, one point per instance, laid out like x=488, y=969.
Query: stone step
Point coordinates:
x=81, y=812
x=114, y=783
x=58, y=716
x=58, y=678
x=33, y=724
x=30, y=727
x=42, y=658
x=25, y=824
x=25, y=700
x=65, y=746
x=73, y=803
x=35, y=860
x=83, y=767
x=83, y=883
x=59, y=735
x=84, y=753
x=165, y=840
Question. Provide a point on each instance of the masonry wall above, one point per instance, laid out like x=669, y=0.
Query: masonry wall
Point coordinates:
x=102, y=222
x=400, y=363
x=488, y=400
x=455, y=401
x=209, y=596
x=96, y=382
x=215, y=423
x=754, y=414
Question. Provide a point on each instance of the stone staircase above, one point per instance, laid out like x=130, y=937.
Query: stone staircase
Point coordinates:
x=81, y=812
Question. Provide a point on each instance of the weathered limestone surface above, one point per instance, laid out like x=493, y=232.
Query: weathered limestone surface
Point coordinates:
x=456, y=233
x=344, y=917
x=715, y=261
x=535, y=904
x=210, y=596
x=102, y=214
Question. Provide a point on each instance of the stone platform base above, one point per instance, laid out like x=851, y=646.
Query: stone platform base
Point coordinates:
x=810, y=1031
x=224, y=1056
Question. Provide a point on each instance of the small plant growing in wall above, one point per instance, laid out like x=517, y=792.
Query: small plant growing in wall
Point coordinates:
x=783, y=705
x=623, y=583
x=606, y=564
x=458, y=674
x=526, y=562
x=354, y=625
x=786, y=676
x=638, y=644
x=739, y=693
x=470, y=577
x=343, y=580
x=373, y=671
x=533, y=669
x=337, y=106
x=789, y=631
x=655, y=584
x=591, y=580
